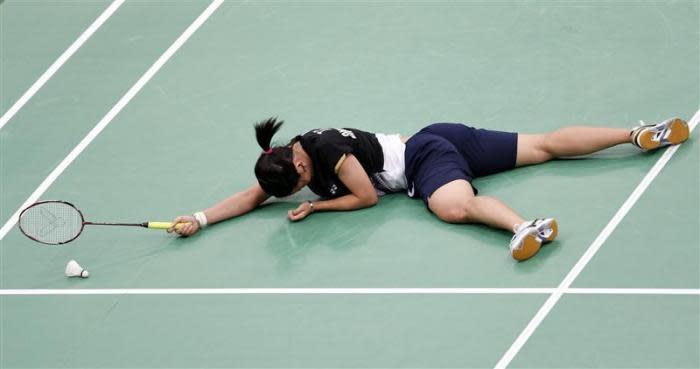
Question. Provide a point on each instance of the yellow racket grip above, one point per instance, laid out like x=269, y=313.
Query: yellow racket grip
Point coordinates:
x=162, y=225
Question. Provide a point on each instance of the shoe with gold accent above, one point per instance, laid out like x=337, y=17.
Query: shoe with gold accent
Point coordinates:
x=653, y=136
x=525, y=243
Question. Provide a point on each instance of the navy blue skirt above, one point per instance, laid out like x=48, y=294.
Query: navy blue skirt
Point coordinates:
x=443, y=152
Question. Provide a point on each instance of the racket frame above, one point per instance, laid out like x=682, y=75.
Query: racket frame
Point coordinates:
x=83, y=223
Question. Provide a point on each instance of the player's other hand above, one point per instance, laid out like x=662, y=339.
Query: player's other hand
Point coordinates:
x=184, y=225
x=301, y=212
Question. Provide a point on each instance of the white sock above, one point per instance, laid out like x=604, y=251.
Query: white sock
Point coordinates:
x=516, y=227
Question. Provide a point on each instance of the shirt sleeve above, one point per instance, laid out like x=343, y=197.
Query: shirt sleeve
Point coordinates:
x=333, y=155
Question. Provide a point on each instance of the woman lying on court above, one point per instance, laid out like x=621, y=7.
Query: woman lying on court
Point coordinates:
x=349, y=169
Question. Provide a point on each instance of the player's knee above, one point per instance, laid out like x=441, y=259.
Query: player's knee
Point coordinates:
x=546, y=150
x=457, y=212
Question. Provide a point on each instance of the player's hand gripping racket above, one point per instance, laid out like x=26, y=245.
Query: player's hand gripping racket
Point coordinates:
x=59, y=222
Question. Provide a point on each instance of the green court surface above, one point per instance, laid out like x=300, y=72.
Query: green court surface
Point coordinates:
x=390, y=286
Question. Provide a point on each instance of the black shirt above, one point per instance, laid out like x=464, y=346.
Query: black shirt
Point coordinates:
x=328, y=148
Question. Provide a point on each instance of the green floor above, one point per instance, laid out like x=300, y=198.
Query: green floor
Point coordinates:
x=186, y=141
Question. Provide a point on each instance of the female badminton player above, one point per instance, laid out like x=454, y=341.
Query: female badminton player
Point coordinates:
x=349, y=169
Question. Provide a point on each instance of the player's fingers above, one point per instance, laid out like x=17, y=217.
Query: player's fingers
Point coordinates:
x=183, y=219
x=172, y=227
x=195, y=228
x=186, y=229
x=301, y=215
x=180, y=219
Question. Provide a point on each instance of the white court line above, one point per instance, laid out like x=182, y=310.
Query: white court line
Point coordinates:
x=632, y=291
x=275, y=291
x=346, y=291
x=59, y=62
x=110, y=115
x=590, y=252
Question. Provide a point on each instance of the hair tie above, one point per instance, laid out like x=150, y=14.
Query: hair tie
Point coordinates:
x=268, y=151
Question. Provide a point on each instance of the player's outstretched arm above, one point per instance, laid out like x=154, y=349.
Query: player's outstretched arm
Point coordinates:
x=237, y=204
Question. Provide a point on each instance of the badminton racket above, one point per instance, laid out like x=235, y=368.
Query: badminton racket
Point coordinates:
x=58, y=222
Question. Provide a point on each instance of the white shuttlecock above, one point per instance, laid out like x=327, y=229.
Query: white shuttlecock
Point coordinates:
x=73, y=269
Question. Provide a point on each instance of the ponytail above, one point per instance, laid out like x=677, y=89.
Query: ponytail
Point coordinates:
x=265, y=130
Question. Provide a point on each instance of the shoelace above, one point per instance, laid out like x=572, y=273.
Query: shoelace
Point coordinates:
x=542, y=230
x=530, y=225
x=658, y=135
x=545, y=232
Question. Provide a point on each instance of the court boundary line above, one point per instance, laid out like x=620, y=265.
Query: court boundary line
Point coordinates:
x=58, y=63
x=348, y=291
x=597, y=243
x=116, y=109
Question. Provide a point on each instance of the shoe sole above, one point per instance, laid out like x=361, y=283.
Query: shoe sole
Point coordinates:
x=555, y=231
x=646, y=140
x=531, y=245
x=679, y=133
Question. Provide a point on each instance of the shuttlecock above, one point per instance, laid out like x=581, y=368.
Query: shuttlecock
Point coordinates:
x=73, y=269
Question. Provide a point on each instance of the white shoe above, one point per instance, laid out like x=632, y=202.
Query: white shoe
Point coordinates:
x=547, y=229
x=652, y=136
x=525, y=243
x=529, y=237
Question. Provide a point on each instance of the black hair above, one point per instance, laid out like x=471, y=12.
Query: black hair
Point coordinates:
x=274, y=169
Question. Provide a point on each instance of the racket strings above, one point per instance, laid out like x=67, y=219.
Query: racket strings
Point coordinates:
x=52, y=222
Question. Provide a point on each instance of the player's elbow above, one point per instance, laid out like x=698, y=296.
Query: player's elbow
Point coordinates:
x=364, y=198
x=370, y=200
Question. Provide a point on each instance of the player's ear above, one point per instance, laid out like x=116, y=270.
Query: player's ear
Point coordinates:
x=299, y=166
